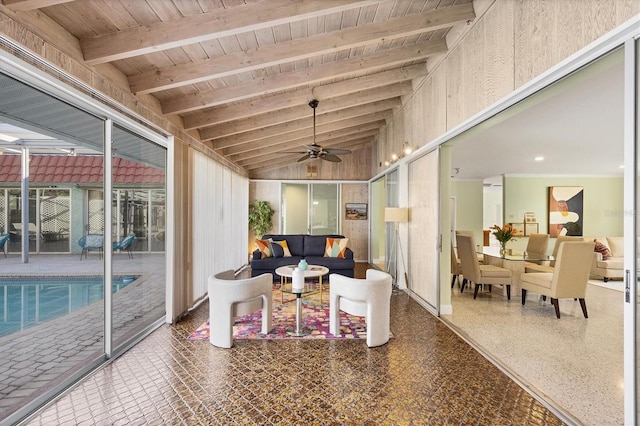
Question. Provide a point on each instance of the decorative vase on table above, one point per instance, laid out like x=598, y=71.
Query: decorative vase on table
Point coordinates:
x=503, y=235
x=303, y=264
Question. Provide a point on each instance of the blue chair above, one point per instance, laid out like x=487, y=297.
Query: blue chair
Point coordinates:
x=125, y=244
x=91, y=242
x=3, y=243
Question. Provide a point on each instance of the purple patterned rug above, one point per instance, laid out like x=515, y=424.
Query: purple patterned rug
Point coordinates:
x=315, y=322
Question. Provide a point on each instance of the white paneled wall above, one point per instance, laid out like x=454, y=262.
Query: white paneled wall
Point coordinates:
x=219, y=220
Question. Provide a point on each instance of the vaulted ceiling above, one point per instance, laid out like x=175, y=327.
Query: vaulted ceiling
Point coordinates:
x=240, y=73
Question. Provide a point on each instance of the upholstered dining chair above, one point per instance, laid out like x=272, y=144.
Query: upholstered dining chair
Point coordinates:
x=476, y=273
x=568, y=279
x=369, y=298
x=3, y=243
x=480, y=256
x=533, y=267
x=537, y=244
x=456, y=269
x=229, y=298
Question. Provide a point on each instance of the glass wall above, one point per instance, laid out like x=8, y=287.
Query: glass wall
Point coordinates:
x=310, y=208
x=52, y=301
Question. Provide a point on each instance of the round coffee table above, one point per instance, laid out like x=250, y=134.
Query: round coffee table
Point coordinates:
x=312, y=271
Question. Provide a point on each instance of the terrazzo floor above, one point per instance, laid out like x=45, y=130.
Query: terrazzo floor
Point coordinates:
x=426, y=375
x=572, y=362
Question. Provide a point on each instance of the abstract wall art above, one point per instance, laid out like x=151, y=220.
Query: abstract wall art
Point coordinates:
x=565, y=210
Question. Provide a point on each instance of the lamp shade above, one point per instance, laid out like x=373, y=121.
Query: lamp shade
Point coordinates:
x=396, y=214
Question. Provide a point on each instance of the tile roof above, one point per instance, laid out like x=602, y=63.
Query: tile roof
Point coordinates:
x=80, y=169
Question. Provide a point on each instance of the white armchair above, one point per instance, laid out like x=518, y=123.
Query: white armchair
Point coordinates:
x=369, y=298
x=229, y=298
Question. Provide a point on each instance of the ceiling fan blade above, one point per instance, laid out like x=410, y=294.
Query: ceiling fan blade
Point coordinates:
x=292, y=152
x=337, y=151
x=306, y=157
x=331, y=157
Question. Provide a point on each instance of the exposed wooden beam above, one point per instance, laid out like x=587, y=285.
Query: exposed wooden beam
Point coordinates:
x=23, y=5
x=293, y=158
x=261, y=135
x=328, y=71
x=257, y=106
x=379, y=106
x=277, y=143
x=298, y=112
x=298, y=49
x=207, y=26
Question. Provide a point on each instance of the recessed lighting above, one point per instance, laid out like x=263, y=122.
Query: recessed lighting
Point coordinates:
x=622, y=166
x=539, y=158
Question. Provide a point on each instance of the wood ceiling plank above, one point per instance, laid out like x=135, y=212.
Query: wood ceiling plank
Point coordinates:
x=296, y=112
x=268, y=145
x=293, y=158
x=197, y=28
x=218, y=67
x=321, y=118
x=258, y=106
x=23, y=5
x=258, y=155
x=333, y=70
x=274, y=135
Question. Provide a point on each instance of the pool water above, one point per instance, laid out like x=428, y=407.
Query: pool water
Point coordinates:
x=27, y=301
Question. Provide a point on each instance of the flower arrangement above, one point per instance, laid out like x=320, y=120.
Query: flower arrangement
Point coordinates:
x=503, y=235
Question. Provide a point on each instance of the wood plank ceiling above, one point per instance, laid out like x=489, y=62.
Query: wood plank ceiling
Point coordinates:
x=240, y=73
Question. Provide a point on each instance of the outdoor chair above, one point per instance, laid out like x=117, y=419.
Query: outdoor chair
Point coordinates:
x=3, y=243
x=125, y=244
x=91, y=242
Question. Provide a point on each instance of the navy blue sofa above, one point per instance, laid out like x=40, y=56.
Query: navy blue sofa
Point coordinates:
x=309, y=247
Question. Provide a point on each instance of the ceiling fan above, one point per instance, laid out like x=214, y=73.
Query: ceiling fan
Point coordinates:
x=316, y=151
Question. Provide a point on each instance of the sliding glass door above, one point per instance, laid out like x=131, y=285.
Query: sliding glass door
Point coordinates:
x=310, y=208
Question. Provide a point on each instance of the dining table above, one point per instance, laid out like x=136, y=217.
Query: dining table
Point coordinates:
x=513, y=260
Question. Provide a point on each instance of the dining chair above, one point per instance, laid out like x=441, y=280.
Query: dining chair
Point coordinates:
x=537, y=244
x=568, y=279
x=533, y=267
x=476, y=273
x=456, y=269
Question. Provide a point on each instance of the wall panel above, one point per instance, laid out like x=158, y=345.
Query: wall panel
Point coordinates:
x=356, y=230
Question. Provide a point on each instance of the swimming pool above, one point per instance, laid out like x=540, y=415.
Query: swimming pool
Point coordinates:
x=29, y=301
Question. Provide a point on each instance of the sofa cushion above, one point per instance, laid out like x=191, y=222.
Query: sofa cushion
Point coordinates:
x=333, y=263
x=265, y=248
x=280, y=249
x=336, y=247
x=314, y=245
x=612, y=263
x=602, y=249
x=295, y=242
x=616, y=245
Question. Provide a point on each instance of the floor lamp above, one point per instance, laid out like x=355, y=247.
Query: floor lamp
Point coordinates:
x=397, y=215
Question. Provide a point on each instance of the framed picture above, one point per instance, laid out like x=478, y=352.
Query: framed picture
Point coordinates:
x=565, y=210
x=519, y=228
x=356, y=211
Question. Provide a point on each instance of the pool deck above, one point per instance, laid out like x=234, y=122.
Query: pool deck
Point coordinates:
x=40, y=356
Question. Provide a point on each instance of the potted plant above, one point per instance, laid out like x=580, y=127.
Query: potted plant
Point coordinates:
x=260, y=214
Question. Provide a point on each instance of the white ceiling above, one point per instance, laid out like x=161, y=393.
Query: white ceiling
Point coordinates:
x=575, y=124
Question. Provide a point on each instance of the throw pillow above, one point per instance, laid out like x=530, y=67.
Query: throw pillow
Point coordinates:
x=280, y=249
x=336, y=247
x=602, y=249
x=265, y=248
